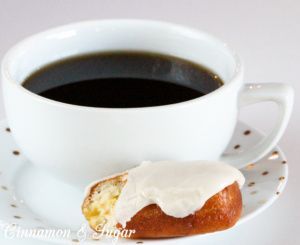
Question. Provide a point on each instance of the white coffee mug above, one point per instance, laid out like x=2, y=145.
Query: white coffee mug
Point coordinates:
x=79, y=144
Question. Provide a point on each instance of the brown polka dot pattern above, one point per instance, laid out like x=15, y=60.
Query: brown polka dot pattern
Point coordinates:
x=96, y=240
x=251, y=184
x=262, y=174
x=247, y=132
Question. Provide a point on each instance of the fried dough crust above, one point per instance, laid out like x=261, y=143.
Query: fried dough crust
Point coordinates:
x=220, y=212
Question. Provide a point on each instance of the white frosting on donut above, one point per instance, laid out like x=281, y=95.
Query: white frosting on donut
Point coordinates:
x=178, y=188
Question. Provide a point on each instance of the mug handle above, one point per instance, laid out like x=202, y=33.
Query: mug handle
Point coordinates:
x=283, y=95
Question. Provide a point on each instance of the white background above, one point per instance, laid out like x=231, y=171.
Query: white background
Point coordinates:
x=265, y=32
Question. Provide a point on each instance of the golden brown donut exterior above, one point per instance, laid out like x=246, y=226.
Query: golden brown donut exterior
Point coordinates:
x=220, y=212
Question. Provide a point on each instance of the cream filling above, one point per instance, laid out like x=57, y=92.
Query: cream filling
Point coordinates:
x=100, y=210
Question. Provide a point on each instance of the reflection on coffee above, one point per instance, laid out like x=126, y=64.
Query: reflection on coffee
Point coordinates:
x=124, y=79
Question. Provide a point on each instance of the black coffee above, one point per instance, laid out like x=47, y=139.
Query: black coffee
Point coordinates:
x=122, y=80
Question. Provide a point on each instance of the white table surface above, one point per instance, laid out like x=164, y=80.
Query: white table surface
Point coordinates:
x=267, y=35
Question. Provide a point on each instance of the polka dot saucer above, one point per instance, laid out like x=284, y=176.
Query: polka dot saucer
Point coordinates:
x=32, y=200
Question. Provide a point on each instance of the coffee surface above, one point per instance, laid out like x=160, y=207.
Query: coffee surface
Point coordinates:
x=122, y=80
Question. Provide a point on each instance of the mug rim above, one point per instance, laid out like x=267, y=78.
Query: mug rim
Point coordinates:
x=235, y=78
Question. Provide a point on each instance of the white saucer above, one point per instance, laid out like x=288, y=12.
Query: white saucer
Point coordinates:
x=34, y=200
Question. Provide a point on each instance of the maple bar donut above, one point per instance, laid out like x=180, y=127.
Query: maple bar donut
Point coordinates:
x=167, y=199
